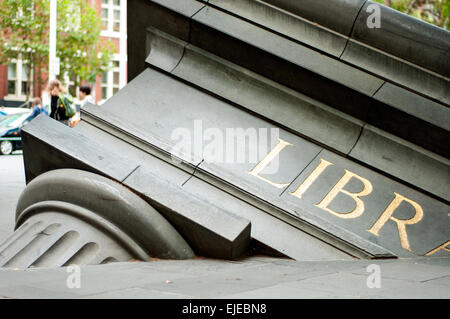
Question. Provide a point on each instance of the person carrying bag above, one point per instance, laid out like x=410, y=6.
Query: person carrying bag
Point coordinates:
x=62, y=107
x=67, y=101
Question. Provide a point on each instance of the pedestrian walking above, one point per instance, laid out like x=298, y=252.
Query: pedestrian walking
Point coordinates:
x=85, y=97
x=62, y=107
x=37, y=108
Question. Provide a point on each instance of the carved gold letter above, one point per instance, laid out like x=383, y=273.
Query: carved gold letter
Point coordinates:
x=339, y=188
x=266, y=160
x=401, y=224
x=311, y=178
x=441, y=247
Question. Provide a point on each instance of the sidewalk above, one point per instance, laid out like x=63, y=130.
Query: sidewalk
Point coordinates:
x=12, y=182
x=254, y=277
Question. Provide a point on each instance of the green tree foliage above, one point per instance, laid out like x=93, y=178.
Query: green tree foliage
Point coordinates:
x=24, y=31
x=432, y=11
x=82, y=53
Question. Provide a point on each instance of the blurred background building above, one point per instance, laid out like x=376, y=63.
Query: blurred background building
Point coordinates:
x=14, y=82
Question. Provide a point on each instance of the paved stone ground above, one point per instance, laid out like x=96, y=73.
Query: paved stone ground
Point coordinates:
x=12, y=182
x=252, y=277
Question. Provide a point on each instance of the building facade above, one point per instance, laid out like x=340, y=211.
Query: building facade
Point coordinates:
x=114, y=28
x=14, y=80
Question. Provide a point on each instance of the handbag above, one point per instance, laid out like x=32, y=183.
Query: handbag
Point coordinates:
x=69, y=106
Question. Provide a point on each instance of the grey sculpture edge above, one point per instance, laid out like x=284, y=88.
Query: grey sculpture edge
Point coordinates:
x=403, y=36
x=93, y=219
x=111, y=201
x=305, y=117
x=388, y=110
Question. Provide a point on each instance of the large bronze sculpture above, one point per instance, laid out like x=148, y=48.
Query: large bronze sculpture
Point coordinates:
x=358, y=166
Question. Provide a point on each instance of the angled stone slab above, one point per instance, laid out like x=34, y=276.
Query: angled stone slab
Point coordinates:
x=197, y=118
x=211, y=230
x=50, y=145
x=169, y=171
x=238, y=48
x=275, y=102
x=268, y=229
x=349, y=89
x=291, y=64
x=278, y=46
x=185, y=7
x=127, y=145
x=322, y=124
x=431, y=118
x=172, y=16
x=398, y=71
x=404, y=160
x=248, y=176
x=199, y=114
x=410, y=39
x=334, y=14
x=416, y=105
x=163, y=50
x=193, y=105
x=155, y=116
x=273, y=203
x=296, y=27
x=384, y=201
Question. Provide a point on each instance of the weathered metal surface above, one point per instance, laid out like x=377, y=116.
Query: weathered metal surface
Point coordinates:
x=324, y=125
x=349, y=89
x=110, y=201
x=334, y=14
x=266, y=228
x=415, y=226
x=295, y=111
x=410, y=39
x=68, y=216
x=54, y=237
x=211, y=231
x=300, y=156
x=295, y=27
x=417, y=106
x=410, y=76
x=171, y=16
x=402, y=160
x=355, y=124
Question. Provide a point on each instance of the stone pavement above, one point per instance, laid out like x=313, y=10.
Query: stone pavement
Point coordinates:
x=251, y=277
x=254, y=277
x=12, y=182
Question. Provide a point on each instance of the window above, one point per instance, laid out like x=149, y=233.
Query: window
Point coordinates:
x=111, y=81
x=116, y=79
x=111, y=15
x=116, y=20
x=69, y=81
x=105, y=19
x=104, y=85
x=18, y=73
x=12, y=78
x=24, y=79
